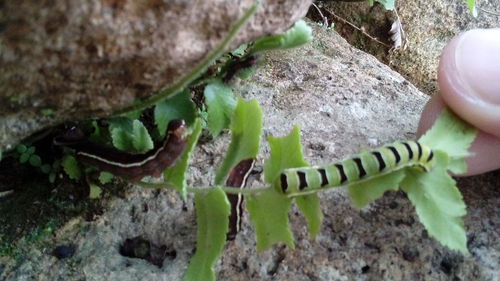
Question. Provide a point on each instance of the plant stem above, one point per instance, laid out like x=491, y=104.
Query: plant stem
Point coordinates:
x=231, y=190
x=198, y=189
x=155, y=185
x=202, y=66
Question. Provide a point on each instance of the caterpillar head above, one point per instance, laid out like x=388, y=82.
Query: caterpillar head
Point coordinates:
x=428, y=161
x=177, y=128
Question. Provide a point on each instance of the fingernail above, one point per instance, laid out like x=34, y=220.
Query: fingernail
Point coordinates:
x=477, y=59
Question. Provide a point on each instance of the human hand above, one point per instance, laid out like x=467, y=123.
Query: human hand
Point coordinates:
x=469, y=83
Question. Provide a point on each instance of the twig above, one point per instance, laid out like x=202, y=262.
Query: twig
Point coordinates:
x=325, y=19
x=358, y=28
x=488, y=12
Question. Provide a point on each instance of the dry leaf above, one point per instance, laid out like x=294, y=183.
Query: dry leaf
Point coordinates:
x=398, y=35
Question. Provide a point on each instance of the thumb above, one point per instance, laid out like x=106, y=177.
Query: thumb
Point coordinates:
x=485, y=149
x=469, y=78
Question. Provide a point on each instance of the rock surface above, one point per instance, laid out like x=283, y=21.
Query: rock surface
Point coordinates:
x=429, y=26
x=62, y=60
x=344, y=100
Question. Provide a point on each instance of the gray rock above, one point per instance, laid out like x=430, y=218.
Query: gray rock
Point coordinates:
x=429, y=26
x=65, y=60
x=344, y=100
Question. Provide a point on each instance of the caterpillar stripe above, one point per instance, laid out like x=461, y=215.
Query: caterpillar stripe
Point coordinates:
x=237, y=178
x=366, y=165
x=126, y=165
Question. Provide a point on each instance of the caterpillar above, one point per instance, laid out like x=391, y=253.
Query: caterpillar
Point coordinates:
x=366, y=165
x=237, y=178
x=127, y=165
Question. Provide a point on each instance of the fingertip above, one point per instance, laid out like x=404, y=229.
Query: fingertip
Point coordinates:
x=469, y=78
x=485, y=149
x=430, y=113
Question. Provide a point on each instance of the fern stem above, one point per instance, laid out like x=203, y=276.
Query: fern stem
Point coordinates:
x=198, y=189
x=202, y=66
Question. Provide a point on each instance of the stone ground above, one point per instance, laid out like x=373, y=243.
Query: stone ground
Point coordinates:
x=344, y=100
x=428, y=25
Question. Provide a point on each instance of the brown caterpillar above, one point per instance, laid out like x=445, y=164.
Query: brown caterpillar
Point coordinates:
x=237, y=178
x=126, y=165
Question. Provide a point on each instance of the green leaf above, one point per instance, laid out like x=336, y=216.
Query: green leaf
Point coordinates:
x=35, y=160
x=246, y=129
x=98, y=134
x=129, y=135
x=180, y=106
x=95, y=191
x=134, y=114
x=220, y=106
x=176, y=175
x=388, y=4
x=1, y=155
x=240, y=51
x=24, y=158
x=457, y=166
x=21, y=148
x=46, y=168
x=367, y=191
x=471, y=4
x=309, y=206
x=141, y=141
x=269, y=215
x=298, y=35
x=52, y=177
x=286, y=152
x=438, y=203
x=212, y=211
x=245, y=72
x=453, y=136
x=120, y=129
x=71, y=168
x=105, y=177
x=30, y=150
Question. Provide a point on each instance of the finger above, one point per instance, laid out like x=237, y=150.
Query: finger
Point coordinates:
x=469, y=78
x=485, y=149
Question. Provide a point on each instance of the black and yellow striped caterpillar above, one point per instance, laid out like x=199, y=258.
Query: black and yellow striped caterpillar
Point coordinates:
x=364, y=166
